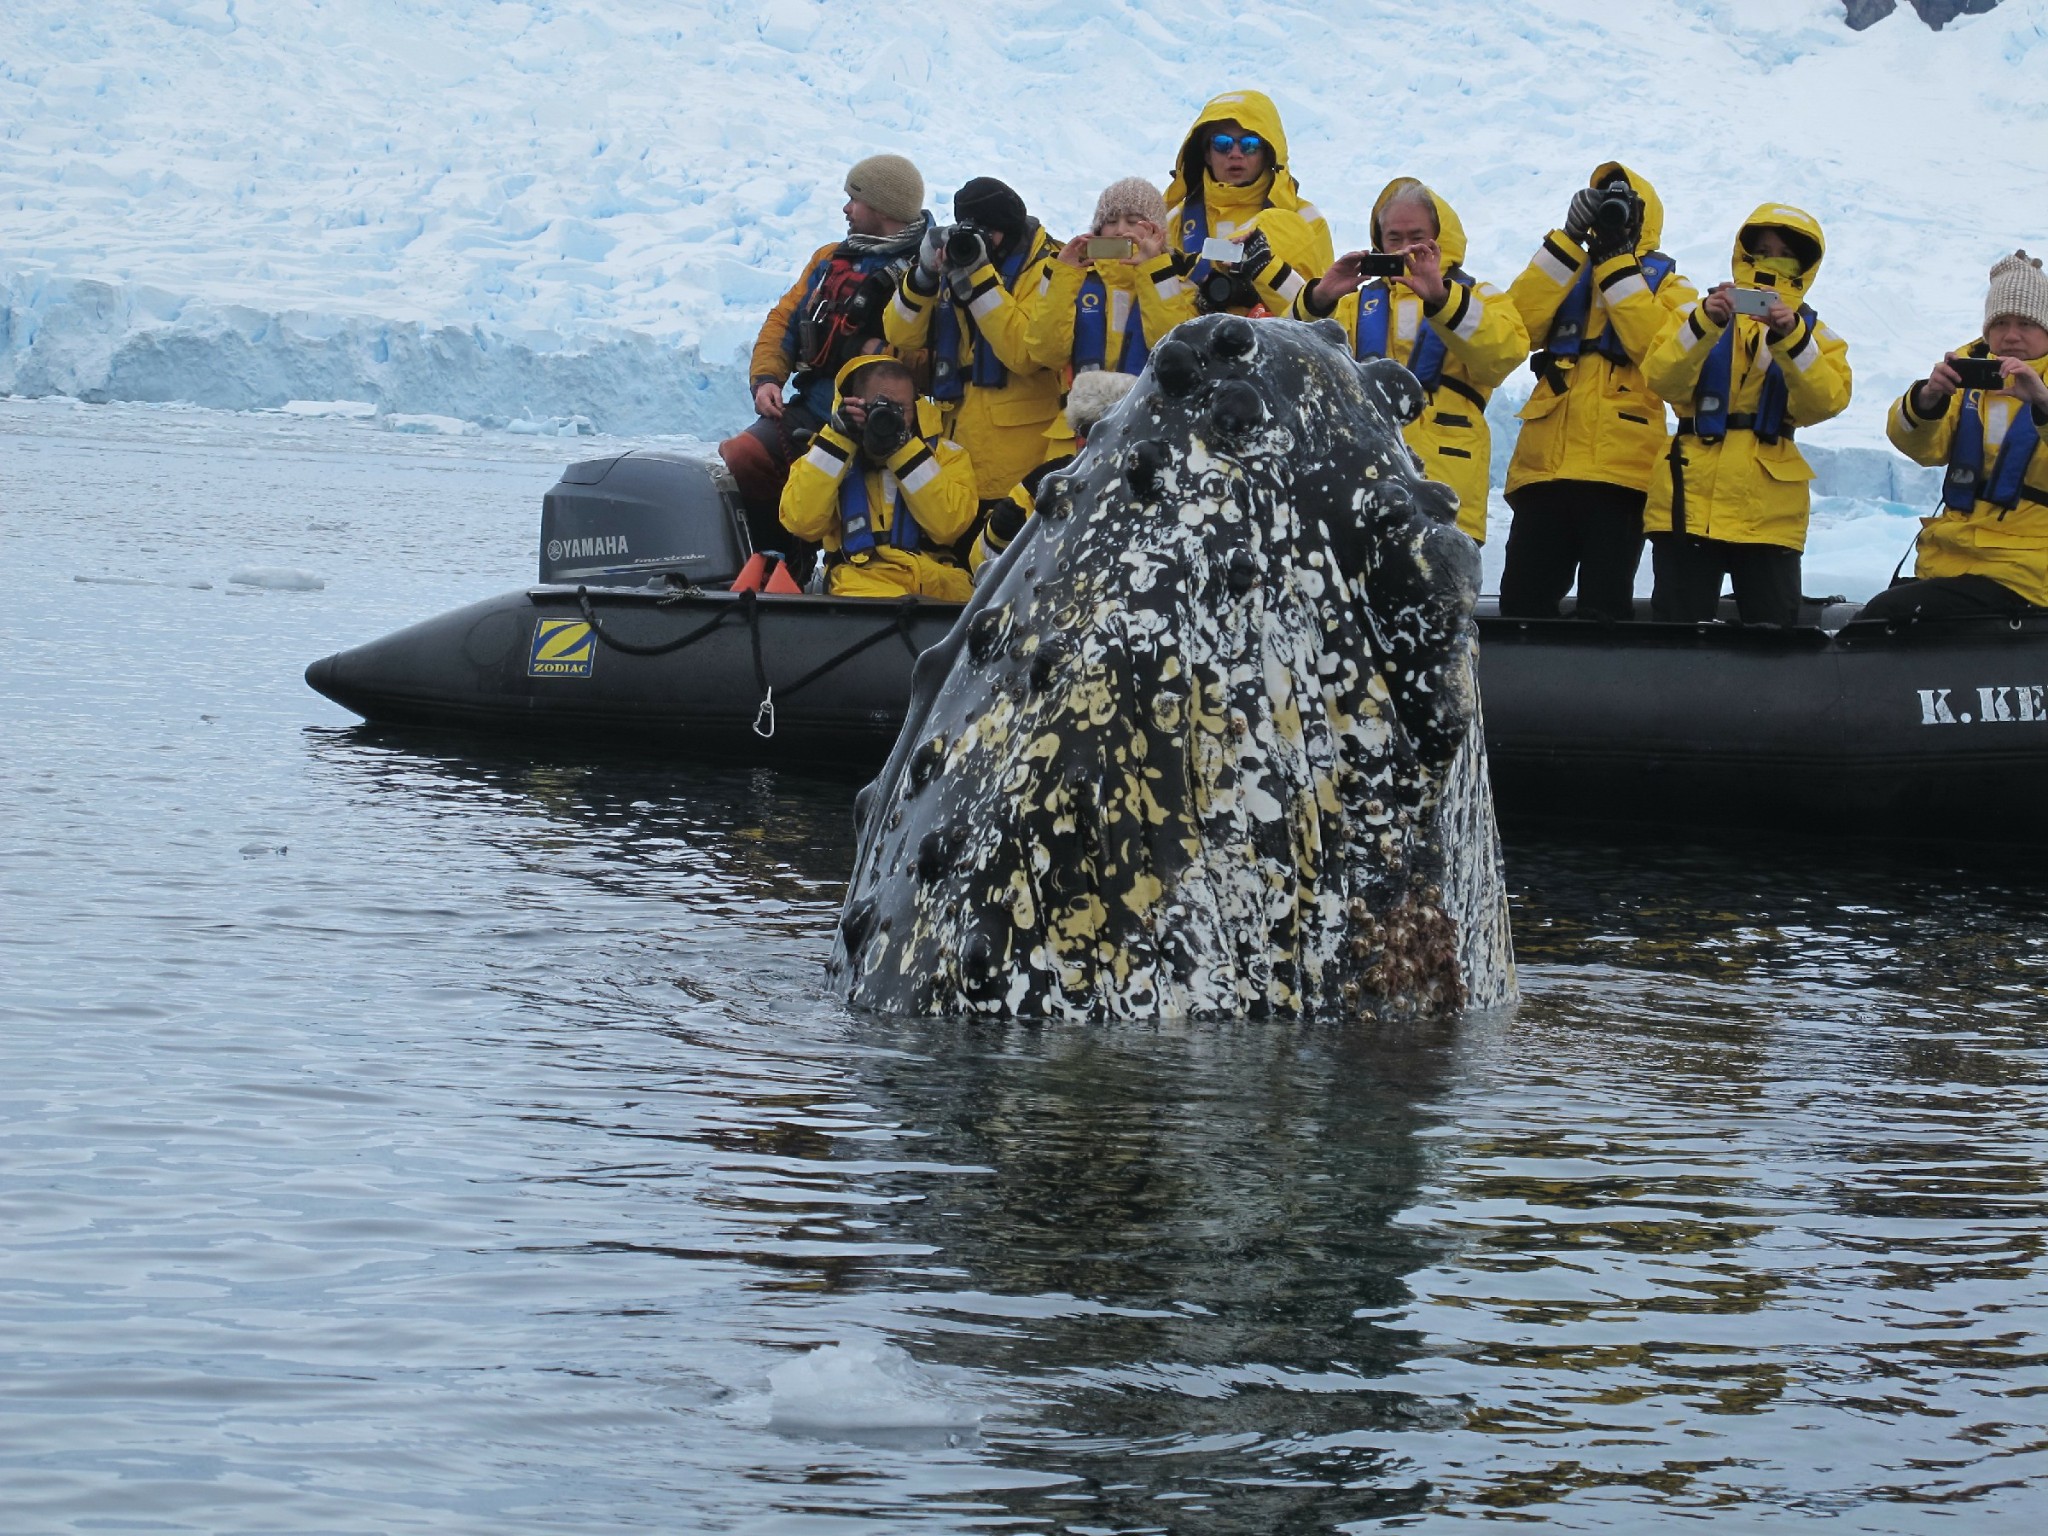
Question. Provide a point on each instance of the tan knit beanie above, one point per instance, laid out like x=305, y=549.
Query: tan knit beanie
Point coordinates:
x=1134, y=198
x=1093, y=396
x=2018, y=287
x=890, y=185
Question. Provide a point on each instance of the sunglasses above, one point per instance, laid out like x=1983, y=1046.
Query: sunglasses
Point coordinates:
x=1246, y=143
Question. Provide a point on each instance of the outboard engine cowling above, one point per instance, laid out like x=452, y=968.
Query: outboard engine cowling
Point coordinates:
x=633, y=519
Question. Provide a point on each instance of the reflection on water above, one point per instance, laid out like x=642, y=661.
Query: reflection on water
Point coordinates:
x=402, y=1135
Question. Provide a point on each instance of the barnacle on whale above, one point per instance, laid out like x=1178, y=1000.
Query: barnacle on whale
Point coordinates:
x=1208, y=742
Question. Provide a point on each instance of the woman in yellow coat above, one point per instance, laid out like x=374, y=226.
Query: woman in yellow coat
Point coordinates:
x=1231, y=182
x=1596, y=299
x=1733, y=500
x=1986, y=551
x=1460, y=337
x=1111, y=313
x=974, y=315
x=882, y=490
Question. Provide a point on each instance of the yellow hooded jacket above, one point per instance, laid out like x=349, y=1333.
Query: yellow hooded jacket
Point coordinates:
x=1002, y=427
x=1742, y=489
x=1273, y=204
x=1485, y=340
x=1149, y=291
x=936, y=479
x=1604, y=424
x=2009, y=546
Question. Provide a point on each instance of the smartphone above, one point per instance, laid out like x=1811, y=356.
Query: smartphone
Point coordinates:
x=1375, y=264
x=1225, y=251
x=1754, y=301
x=1111, y=247
x=1979, y=372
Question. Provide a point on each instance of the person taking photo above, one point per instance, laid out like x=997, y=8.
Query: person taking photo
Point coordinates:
x=968, y=298
x=1983, y=412
x=1599, y=293
x=1459, y=337
x=883, y=490
x=1109, y=311
x=1748, y=365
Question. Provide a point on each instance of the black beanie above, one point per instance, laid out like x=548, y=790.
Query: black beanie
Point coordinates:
x=993, y=205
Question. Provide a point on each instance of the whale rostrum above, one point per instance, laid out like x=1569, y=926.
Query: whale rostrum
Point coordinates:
x=1207, y=742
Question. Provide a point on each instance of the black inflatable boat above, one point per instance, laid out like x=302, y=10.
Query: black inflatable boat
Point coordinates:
x=632, y=636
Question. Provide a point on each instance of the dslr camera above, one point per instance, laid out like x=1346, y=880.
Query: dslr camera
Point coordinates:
x=964, y=241
x=1225, y=289
x=1617, y=210
x=886, y=424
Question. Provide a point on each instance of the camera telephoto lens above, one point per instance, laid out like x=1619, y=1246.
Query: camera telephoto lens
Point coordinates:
x=1615, y=211
x=964, y=241
x=1226, y=290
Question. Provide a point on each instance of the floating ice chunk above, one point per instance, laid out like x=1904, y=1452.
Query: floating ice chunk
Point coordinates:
x=552, y=426
x=445, y=426
x=262, y=850
x=105, y=580
x=354, y=410
x=865, y=1386
x=278, y=578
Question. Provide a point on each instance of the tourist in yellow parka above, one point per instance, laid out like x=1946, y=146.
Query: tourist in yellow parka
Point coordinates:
x=1596, y=298
x=974, y=313
x=1986, y=551
x=1110, y=313
x=883, y=491
x=1461, y=338
x=1231, y=181
x=1732, y=499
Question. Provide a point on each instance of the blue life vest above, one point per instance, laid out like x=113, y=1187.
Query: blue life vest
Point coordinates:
x=827, y=286
x=1091, y=330
x=1966, y=483
x=857, y=540
x=987, y=370
x=1710, y=399
x=1375, y=328
x=1568, y=331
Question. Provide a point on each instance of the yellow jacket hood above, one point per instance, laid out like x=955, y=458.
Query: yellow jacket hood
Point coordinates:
x=1255, y=110
x=927, y=411
x=1806, y=240
x=1653, y=205
x=1450, y=237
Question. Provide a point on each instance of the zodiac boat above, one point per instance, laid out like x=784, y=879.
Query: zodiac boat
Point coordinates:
x=633, y=636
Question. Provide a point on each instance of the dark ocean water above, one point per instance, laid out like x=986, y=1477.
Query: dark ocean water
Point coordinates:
x=401, y=1135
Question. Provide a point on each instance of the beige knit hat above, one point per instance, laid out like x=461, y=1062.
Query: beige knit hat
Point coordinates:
x=2018, y=287
x=1134, y=197
x=890, y=185
x=1093, y=396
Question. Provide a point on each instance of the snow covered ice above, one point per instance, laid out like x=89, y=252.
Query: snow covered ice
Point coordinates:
x=569, y=219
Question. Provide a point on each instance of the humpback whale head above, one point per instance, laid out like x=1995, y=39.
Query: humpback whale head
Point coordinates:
x=1207, y=741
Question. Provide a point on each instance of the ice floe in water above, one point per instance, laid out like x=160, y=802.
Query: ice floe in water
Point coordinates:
x=867, y=1387
x=355, y=410
x=278, y=578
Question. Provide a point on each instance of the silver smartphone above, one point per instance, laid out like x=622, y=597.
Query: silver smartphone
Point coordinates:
x=1225, y=251
x=1754, y=301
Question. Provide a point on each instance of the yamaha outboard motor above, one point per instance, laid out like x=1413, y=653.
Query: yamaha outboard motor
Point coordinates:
x=641, y=517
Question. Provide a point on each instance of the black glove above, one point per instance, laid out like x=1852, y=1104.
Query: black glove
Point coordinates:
x=1258, y=254
x=1005, y=517
x=886, y=430
x=1578, y=219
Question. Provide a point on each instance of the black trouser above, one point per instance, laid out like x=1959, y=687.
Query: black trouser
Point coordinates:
x=1945, y=597
x=1689, y=570
x=1573, y=528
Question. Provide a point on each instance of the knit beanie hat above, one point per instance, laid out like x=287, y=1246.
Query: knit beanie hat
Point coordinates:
x=890, y=185
x=1132, y=198
x=993, y=205
x=2018, y=287
x=1093, y=396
